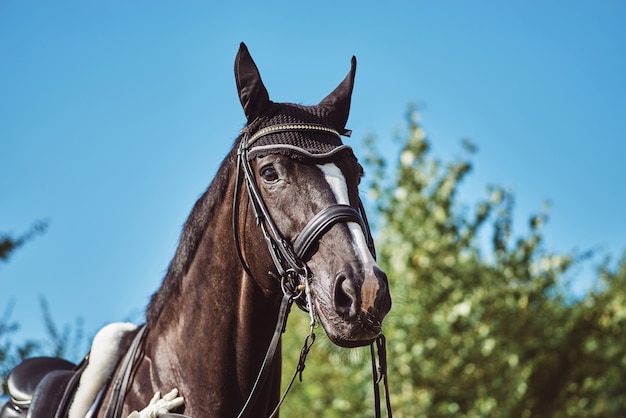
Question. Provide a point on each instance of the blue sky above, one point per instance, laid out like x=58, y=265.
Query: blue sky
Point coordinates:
x=114, y=116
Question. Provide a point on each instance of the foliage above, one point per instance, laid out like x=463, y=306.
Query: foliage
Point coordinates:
x=11, y=354
x=60, y=343
x=8, y=244
x=67, y=342
x=477, y=329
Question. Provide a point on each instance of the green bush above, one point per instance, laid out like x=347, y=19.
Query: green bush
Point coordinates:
x=475, y=330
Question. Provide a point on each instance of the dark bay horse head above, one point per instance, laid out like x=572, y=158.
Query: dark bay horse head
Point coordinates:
x=305, y=176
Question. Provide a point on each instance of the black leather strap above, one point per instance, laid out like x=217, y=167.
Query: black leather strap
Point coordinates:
x=321, y=223
x=70, y=390
x=379, y=372
x=116, y=403
x=281, y=322
x=280, y=250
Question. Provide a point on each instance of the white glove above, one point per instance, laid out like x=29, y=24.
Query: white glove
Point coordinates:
x=158, y=406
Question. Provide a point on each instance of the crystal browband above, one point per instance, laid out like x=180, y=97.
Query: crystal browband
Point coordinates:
x=290, y=128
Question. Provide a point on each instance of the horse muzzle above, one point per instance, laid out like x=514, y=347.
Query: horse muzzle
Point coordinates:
x=354, y=315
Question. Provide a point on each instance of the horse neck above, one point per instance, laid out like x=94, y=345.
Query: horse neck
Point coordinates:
x=210, y=341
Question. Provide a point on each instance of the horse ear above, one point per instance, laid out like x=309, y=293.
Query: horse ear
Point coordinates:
x=338, y=102
x=252, y=93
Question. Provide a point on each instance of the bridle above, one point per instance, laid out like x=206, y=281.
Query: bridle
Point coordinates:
x=293, y=273
x=283, y=254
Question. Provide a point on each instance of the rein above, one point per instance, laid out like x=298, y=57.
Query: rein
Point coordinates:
x=293, y=273
x=120, y=386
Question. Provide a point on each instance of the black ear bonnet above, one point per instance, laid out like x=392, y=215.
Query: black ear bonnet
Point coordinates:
x=287, y=128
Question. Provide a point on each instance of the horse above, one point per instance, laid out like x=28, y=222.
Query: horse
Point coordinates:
x=281, y=223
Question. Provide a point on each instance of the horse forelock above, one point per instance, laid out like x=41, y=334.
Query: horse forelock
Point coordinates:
x=191, y=235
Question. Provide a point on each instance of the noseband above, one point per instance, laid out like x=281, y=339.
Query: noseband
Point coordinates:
x=292, y=270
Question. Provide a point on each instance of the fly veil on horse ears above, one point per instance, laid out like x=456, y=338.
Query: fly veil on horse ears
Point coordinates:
x=313, y=131
x=310, y=132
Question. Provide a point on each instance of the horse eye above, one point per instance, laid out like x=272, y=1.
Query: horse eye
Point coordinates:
x=269, y=174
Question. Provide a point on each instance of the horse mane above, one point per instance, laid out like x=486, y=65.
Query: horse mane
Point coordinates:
x=191, y=235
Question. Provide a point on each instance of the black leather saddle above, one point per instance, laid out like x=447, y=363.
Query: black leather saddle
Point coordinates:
x=41, y=387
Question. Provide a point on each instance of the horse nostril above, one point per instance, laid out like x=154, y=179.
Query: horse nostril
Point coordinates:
x=383, y=299
x=346, y=297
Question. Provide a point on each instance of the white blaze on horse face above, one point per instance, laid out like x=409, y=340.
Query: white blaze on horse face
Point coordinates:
x=338, y=185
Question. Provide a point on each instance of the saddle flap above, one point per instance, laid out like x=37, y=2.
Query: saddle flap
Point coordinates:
x=25, y=377
x=50, y=397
